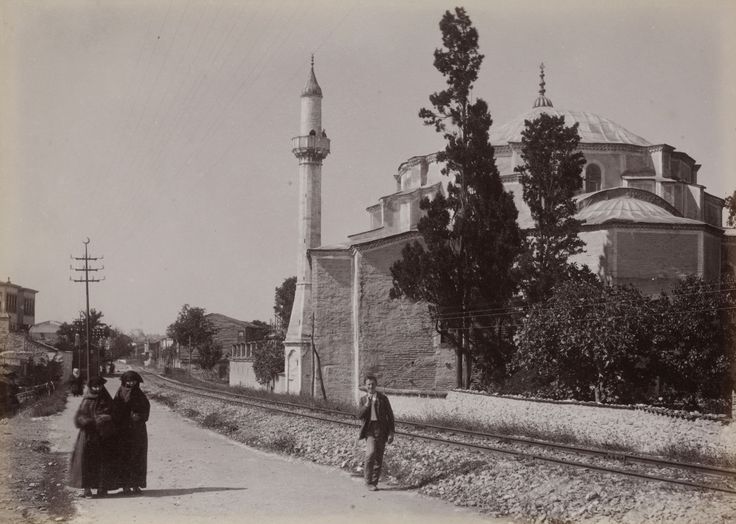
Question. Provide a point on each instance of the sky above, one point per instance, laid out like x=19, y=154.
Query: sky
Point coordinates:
x=160, y=129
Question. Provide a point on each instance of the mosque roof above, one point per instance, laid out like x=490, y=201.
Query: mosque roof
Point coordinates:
x=311, y=88
x=593, y=129
x=627, y=208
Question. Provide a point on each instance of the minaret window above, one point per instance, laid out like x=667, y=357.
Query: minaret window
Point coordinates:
x=592, y=178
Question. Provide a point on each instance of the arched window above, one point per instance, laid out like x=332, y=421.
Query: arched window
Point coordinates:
x=592, y=178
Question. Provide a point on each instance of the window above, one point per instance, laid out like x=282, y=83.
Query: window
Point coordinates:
x=28, y=306
x=10, y=303
x=592, y=178
x=405, y=216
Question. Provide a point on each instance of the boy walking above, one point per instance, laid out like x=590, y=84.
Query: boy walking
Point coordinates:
x=377, y=428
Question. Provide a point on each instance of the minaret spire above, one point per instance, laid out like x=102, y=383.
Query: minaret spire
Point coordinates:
x=542, y=101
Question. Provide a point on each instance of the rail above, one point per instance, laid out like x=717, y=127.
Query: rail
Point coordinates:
x=421, y=429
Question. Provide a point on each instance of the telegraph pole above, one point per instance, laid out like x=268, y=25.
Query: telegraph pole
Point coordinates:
x=86, y=269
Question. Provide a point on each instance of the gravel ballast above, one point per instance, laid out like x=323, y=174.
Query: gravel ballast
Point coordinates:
x=521, y=489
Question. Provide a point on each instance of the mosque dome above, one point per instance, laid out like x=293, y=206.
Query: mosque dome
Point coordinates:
x=593, y=129
x=628, y=205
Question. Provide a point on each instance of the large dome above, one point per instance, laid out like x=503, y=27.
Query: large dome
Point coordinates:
x=593, y=129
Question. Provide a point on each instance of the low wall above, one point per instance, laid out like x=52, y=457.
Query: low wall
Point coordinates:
x=600, y=425
x=242, y=374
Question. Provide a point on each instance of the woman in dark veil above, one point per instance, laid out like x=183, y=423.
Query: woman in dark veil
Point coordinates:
x=131, y=412
x=92, y=464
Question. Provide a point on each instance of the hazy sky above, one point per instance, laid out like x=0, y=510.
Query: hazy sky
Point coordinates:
x=161, y=129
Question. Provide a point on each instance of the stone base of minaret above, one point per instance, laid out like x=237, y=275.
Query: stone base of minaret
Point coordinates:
x=298, y=367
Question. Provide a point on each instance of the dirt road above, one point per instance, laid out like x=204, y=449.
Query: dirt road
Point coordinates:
x=195, y=475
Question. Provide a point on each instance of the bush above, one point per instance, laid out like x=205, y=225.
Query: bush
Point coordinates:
x=268, y=360
x=588, y=341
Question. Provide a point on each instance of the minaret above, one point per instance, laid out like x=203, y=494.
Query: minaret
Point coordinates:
x=310, y=148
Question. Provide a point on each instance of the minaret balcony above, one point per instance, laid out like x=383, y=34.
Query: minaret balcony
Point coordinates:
x=310, y=146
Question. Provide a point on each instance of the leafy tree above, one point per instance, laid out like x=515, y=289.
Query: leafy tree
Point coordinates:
x=731, y=208
x=284, y=300
x=588, y=340
x=550, y=176
x=693, y=358
x=192, y=327
x=121, y=345
x=210, y=353
x=72, y=336
x=469, y=236
x=268, y=359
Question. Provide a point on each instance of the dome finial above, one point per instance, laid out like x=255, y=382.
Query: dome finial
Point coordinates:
x=542, y=101
x=541, y=77
x=312, y=60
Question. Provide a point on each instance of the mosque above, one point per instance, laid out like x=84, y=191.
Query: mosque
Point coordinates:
x=646, y=222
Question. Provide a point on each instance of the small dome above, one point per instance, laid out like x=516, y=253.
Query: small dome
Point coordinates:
x=593, y=129
x=626, y=208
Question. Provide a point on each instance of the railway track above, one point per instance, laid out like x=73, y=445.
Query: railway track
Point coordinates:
x=699, y=476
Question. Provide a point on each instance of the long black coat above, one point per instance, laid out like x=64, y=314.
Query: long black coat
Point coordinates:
x=93, y=463
x=76, y=385
x=132, y=437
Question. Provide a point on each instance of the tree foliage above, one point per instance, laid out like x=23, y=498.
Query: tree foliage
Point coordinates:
x=192, y=327
x=283, y=301
x=690, y=338
x=613, y=344
x=731, y=209
x=550, y=176
x=469, y=235
x=588, y=341
x=268, y=359
x=210, y=353
x=72, y=336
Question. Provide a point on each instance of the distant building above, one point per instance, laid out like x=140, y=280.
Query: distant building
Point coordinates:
x=19, y=303
x=18, y=352
x=235, y=337
x=45, y=332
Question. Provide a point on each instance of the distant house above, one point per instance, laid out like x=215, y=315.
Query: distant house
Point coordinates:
x=45, y=332
x=236, y=337
x=19, y=303
x=18, y=351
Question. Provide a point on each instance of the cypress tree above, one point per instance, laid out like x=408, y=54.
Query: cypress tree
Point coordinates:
x=470, y=238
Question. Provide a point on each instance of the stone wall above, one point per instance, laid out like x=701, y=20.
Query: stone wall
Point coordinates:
x=332, y=274
x=398, y=341
x=654, y=259
x=242, y=374
x=641, y=430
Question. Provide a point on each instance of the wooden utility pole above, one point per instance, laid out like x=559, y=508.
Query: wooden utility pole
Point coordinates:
x=86, y=269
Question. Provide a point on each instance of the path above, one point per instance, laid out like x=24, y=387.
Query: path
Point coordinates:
x=198, y=476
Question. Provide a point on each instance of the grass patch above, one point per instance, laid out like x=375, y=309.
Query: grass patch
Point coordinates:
x=164, y=399
x=218, y=422
x=282, y=444
x=410, y=475
x=191, y=413
x=519, y=429
x=305, y=400
x=692, y=454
